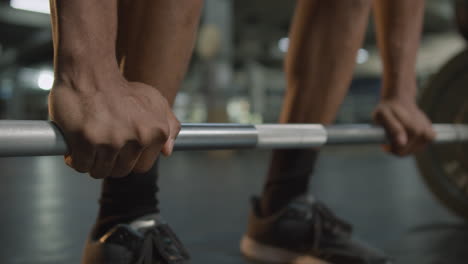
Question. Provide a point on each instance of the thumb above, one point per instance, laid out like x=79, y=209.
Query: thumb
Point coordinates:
x=174, y=129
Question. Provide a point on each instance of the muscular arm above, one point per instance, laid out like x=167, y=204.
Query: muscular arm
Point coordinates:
x=112, y=126
x=85, y=33
x=399, y=27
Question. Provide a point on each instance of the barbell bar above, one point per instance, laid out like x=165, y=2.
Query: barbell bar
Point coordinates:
x=43, y=138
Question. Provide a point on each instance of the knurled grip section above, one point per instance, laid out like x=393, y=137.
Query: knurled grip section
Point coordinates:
x=290, y=135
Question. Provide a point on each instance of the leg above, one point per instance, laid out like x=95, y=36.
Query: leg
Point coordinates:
x=155, y=42
x=154, y=45
x=324, y=39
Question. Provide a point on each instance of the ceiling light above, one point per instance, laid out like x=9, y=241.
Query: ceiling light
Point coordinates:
x=40, y=6
x=45, y=80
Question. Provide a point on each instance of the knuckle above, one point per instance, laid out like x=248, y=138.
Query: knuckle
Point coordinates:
x=91, y=136
x=147, y=135
x=144, y=136
x=161, y=133
x=178, y=126
x=115, y=143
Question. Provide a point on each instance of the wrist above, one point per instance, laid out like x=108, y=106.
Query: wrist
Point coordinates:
x=404, y=96
x=402, y=90
x=74, y=69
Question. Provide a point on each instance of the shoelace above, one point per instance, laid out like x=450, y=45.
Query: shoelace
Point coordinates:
x=160, y=243
x=323, y=218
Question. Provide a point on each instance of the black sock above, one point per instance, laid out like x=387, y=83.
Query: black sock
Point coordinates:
x=125, y=199
x=287, y=178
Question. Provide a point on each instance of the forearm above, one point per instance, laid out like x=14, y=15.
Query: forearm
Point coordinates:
x=399, y=25
x=85, y=33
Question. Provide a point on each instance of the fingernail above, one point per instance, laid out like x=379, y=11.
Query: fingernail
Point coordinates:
x=68, y=161
x=171, y=146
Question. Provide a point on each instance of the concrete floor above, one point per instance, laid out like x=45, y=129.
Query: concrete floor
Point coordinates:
x=47, y=209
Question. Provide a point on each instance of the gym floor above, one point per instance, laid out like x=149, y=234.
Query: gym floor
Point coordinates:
x=48, y=209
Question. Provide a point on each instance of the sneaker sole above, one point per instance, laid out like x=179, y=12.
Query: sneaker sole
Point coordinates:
x=264, y=253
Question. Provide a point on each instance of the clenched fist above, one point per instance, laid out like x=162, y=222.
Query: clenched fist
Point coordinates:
x=407, y=127
x=112, y=126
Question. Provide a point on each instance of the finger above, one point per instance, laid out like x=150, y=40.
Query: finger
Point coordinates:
x=429, y=132
x=68, y=160
x=126, y=160
x=174, y=129
x=413, y=122
x=81, y=156
x=428, y=135
x=393, y=127
x=413, y=145
x=151, y=154
x=147, y=158
x=416, y=127
x=168, y=147
x=104, y=161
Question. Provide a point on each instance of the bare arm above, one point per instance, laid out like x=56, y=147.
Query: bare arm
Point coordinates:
x=399, y=27
x=85, y=33
x=112, y=126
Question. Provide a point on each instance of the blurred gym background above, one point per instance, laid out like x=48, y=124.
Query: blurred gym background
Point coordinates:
x=238, y=61
x=235, y=76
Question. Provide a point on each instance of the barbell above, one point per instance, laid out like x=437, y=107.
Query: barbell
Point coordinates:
x=41, y=138
x=444, y=167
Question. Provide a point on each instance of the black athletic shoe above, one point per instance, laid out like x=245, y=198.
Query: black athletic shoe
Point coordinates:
x=147, y=240
x=304, y=232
